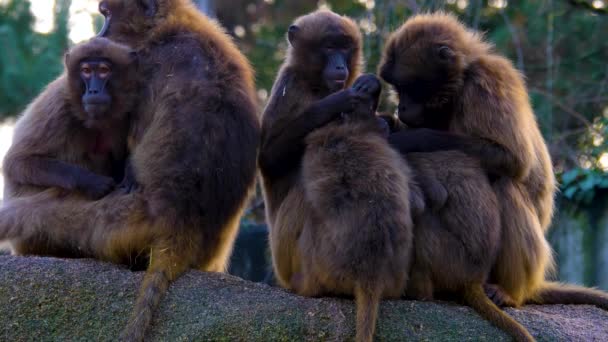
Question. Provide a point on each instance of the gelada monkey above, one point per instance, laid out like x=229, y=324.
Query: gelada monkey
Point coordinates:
x=458, y=94
x=195, y=136
x=340, y=222
x=77, y=144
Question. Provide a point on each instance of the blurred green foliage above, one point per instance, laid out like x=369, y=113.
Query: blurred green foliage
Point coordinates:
x=561, y=47
x=28, y=60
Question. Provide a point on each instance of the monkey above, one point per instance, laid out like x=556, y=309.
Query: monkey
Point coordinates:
x=352, y=179
x=195, y=135
x=456, y=93
x=290, y=214
x=349, y=177
x=79, y=146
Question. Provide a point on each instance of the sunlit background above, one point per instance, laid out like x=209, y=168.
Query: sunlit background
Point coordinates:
x=560, y=45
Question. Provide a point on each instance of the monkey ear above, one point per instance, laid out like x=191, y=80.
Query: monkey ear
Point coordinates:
x=66, y=59
x=292, y=34
x=150, y=7
x=445, y=53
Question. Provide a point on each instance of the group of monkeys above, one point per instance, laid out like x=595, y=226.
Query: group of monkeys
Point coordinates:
x=145, y=153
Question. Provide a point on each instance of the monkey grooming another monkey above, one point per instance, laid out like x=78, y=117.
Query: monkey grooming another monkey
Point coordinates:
x=78, y=146
x=340, y=221
x=458, y=94
x=195, y=134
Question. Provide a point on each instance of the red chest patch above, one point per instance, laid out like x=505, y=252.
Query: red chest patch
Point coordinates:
x=101, y=144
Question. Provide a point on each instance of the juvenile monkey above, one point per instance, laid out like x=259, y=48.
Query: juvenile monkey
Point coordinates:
x=77, y=145
x=330, y=231
x=458, y=94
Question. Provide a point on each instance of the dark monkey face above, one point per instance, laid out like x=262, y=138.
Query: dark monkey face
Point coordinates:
x=102, y=80
x=96, y=100
x=424, y=65
x=332, y=55
x=325, y=49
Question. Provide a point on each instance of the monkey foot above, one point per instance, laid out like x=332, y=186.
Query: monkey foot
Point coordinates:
x=497, y=295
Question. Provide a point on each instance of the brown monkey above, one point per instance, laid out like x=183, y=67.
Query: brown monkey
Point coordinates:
x=195, y=138
x=78, y=144
x=460, y=95
x=349, y=178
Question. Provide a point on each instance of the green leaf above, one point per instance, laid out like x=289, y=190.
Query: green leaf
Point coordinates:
x=588, y=183
x=570, y=191
x=570, y=176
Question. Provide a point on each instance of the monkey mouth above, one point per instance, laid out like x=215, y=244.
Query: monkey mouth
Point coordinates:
x=335, y=85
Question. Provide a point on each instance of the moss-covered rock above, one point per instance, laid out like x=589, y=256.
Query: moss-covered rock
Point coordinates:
x=46, y=299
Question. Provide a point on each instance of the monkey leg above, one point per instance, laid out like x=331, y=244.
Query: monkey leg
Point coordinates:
x=524, y=255
x=419, y=286
x=285, y=233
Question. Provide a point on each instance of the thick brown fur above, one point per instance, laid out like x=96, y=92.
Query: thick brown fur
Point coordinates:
x=479, y=94
x=455, y=246
x=340, y=223
x=360, y=237
x=195, y=138
x=52, y=134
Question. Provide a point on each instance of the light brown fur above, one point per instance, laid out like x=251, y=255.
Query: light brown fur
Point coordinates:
x=340, y=223
x=195, y=137
x=359, y=238
x=482, y=96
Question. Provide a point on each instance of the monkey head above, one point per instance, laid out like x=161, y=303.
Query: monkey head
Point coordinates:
x=325, y=49
x=425, y=61
x=129, y=21
x=102, y=78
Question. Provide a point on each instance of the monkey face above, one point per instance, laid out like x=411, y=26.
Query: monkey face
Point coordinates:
x=96, y=100
x=425, y=65
x=327, y=45
x=102, y=78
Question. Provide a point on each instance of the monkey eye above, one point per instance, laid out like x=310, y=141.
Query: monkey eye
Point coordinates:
x=86, y=71
x=445, y=52
x=104, y=70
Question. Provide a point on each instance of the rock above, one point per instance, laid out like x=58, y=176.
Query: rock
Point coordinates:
x=55, y=300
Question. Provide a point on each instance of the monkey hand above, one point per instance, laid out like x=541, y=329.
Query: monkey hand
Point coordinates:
x=127, y=185
x=96, y=186
x=411, y=113
x=369, y=85
x=129, y=182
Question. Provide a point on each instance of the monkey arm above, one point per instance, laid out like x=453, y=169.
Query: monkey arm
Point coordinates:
x=48, y=172
x=283, y=148
x=495, y=158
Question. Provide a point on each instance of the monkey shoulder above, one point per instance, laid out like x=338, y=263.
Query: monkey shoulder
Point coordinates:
x=495, y=77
